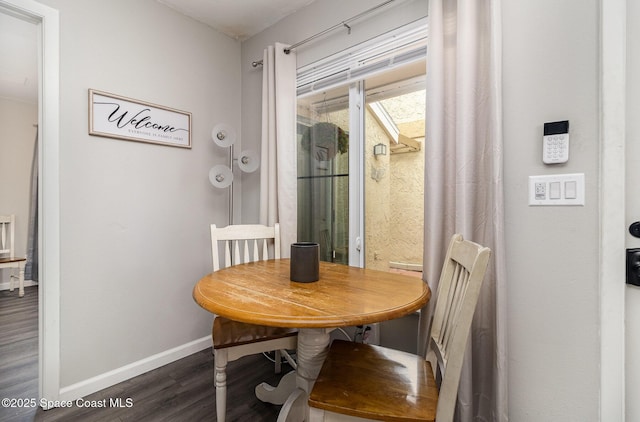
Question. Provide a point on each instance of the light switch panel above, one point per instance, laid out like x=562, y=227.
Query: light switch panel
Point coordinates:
x=570, y=189
x=556, y=189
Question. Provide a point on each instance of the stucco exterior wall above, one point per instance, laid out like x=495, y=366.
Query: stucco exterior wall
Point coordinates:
x=407, y=217
x=393, y=202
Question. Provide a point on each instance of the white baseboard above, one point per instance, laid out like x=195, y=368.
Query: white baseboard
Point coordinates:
x=405, y=266
x=4, y=285
x=102, y=381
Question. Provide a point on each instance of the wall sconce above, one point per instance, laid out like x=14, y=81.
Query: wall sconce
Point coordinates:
x=248, y=161
x=379, y=149
x=221, y=176
x=224, y=136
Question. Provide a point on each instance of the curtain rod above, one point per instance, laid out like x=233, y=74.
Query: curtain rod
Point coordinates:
x=342, y=24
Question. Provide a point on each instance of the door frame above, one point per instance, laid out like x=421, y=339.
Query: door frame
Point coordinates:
x=47, y=20
x=612, y=209
x=356, y=168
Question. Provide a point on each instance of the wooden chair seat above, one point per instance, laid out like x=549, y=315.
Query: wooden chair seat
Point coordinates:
x=228, y=333
x=364, y=382
x=11, y=260
x=404, y=387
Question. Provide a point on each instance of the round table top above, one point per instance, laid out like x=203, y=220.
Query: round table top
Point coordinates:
x=262, y=293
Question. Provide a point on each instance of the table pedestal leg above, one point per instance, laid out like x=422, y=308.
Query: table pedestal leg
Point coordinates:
x=279, y=394
x=313, y=345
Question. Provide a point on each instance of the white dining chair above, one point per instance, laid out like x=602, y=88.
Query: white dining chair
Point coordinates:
x=8, y=258
x=366, y=382
x=232, y=339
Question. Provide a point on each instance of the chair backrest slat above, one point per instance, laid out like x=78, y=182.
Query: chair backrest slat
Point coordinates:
x=237, y=255
x=265, y=250
x=3, y=237
x=242, y=243
x=254, y=250
x=7, y=235
x=458, y=291
x=227, y=255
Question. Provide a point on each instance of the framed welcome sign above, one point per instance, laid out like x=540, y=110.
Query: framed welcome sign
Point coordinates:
x=119, y=117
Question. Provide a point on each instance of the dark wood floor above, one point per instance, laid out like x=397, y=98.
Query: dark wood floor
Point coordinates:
x=180, y=391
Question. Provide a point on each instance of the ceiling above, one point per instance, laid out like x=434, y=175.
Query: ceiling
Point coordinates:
x=238, y=19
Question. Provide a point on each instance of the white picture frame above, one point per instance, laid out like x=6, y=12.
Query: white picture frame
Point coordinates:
x=118, y=117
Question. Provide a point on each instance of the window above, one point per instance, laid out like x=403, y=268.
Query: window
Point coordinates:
x=354, y=203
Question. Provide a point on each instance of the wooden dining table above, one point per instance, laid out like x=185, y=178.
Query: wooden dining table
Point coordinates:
x=262, y=293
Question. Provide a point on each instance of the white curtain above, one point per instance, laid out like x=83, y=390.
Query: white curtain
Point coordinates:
x=463, y=183
x=31, y=270
x=278, y=177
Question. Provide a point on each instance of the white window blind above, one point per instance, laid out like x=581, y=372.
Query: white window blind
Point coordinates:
x=396, y=48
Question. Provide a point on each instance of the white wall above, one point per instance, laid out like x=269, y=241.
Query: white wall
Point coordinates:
x=17, y=141
x=552, y=252
x=135, y=216
x=633, y=208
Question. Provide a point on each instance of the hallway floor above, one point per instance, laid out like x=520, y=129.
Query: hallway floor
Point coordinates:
x=182, y=390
